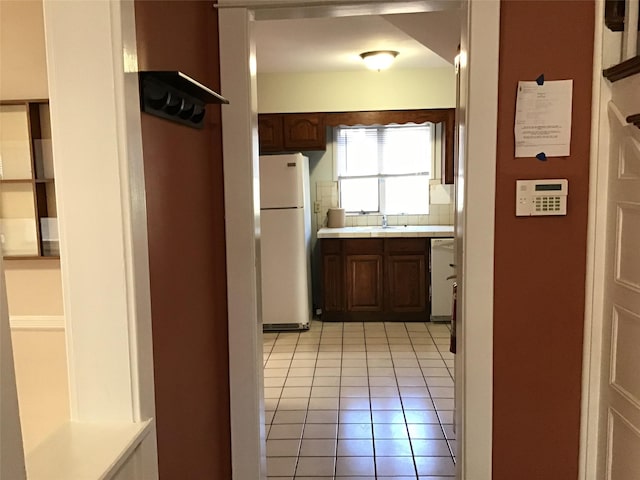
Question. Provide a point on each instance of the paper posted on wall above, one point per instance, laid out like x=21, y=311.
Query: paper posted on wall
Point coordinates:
x=543, y=119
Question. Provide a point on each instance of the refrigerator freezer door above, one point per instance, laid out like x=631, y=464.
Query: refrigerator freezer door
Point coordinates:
x=285, y=279
x=281, y=181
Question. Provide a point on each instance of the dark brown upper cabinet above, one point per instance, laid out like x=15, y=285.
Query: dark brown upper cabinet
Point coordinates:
x=270, y=132
x=291, y=132
x=294, y=132
x=304, y=131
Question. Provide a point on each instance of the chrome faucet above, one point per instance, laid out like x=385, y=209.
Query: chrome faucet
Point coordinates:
x=384, y=221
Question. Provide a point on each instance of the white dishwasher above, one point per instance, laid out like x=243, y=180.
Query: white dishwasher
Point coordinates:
x=441, y=288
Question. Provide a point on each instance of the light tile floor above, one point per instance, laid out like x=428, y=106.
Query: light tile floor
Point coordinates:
x=360, y=401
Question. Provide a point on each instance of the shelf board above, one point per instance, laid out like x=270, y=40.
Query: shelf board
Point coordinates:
x=623, y=70
x=45, y=180
x=175, y=96
x=184, y=83
x=31, y=257
x=17, y=180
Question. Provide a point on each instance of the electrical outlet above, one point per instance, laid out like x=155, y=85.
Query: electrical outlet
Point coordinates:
x=316, y=207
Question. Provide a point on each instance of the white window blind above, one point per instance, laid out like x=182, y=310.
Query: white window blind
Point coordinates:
x=385, y=169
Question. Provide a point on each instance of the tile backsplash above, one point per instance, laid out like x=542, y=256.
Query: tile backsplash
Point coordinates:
x=440, y=213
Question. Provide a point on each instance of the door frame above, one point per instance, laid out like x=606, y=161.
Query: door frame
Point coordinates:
x=478, y=126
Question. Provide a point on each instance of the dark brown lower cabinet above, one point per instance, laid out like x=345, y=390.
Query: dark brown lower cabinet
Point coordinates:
x=332, y=273
x=364, y=283
x=375, y=279
x=406, y=283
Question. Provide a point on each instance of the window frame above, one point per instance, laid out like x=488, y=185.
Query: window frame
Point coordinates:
x=382, y=177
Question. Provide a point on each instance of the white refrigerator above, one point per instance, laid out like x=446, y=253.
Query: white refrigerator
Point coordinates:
x=285, y=242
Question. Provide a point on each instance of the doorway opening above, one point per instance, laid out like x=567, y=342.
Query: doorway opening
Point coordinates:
x=240, y=156
x=354, y=398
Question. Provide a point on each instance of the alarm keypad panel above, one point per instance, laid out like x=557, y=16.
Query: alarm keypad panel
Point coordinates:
x=541, y=197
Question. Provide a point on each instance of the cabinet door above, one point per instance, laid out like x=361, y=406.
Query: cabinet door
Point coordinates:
x=364, y=283
x=449, y=142
x=333, y=283
x=304, y=132
x=406, y=283
x=270, y=132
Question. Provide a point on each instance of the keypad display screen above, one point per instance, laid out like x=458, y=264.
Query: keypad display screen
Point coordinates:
x=548, y=187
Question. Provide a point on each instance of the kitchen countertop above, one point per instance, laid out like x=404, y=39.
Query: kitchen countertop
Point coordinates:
x=390, y=231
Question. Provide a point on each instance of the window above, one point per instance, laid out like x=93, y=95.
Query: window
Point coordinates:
x=384, y=169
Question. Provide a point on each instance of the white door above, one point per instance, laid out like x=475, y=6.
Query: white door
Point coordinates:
x=619, y=438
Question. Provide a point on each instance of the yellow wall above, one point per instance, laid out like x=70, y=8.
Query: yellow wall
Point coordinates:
x=353, y=91
x=23, y=69
x=34, y=287
x=41, y=378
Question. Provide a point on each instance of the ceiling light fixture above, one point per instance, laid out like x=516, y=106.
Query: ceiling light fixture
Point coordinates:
x=379, y=59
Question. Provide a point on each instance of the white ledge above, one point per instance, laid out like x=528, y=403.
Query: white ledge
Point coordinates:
x=36, y=322
x=85, y=451
x=391, y=231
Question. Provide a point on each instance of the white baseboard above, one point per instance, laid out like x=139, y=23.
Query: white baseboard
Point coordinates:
x=36, y=322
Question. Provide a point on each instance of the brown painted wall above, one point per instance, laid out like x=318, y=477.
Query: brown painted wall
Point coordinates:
x=184, y=188
x=540, y=262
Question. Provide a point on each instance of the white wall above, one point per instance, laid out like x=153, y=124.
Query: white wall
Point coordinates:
x=353, y=91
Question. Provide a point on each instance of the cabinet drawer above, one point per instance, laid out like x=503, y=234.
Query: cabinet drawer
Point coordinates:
x=363, y=246
x=402, y=245
x=330, y=245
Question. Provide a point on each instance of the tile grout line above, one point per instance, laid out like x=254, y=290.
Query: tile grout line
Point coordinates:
x=283, y=387
x=349, y=348
x=373, y=434
x=453, y=457
x=413, y=455
x=335, y=463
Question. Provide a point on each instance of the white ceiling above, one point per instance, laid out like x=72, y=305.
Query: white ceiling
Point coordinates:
x=334, y=44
